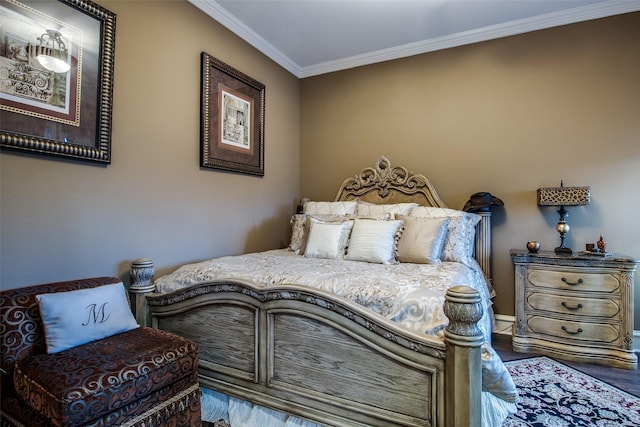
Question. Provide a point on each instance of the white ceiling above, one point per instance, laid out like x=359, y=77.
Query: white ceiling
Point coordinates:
x=312, y=37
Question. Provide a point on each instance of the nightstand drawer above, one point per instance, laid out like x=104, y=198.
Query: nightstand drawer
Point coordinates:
x=576, y=306
x=565, y=329
x=574, y=279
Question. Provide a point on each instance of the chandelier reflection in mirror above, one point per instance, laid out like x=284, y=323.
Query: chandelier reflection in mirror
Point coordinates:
x=52, y=53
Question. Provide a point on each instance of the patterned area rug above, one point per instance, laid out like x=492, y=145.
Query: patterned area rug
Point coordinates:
x=553, y=394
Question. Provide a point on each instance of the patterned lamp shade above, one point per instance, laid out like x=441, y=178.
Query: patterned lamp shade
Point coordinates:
x=564, y=196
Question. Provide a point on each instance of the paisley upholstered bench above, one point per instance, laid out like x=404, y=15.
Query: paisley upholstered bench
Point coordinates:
x=53, y=373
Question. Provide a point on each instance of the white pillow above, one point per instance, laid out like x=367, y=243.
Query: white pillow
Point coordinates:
x=373, y=241
x=300, y=229
x=422, y=240
x=77, y=317
x=327, y=239
x=461, y=231
x=372, y=209
x=334, y=208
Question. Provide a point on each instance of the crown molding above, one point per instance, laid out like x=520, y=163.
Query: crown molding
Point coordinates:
x=221, y=15
x=580, y=14
x=555, y=19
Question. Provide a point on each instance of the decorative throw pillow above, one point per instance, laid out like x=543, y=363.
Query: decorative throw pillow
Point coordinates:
x=373, y=241
x=327, y=239
x=422, y=240
x=298, y=233
x=459, y=244
x=372, y=209
x=461, y=231
x=300, y=224
x=334, y=208
x=77, y=317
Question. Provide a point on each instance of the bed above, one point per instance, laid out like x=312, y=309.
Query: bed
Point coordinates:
x=335, y=329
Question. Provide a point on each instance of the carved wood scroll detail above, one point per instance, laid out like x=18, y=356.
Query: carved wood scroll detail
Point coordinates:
x=385, y=179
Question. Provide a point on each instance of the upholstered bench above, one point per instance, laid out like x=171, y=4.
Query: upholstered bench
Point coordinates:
x=137, y=376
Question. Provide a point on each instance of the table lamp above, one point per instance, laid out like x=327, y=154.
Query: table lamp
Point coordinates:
x=563, y=196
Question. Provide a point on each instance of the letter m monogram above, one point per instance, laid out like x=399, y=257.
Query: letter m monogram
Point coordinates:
x=97, y=314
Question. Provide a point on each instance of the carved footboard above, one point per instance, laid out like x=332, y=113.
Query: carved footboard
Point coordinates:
x=325, y=358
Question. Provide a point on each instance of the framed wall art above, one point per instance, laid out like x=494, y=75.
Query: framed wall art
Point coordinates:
x=56, y=78
x=232, y=123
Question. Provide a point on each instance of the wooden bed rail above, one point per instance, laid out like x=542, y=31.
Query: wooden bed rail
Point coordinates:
x=325, y=358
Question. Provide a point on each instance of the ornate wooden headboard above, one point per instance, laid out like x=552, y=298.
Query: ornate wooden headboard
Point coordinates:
x=384, y=183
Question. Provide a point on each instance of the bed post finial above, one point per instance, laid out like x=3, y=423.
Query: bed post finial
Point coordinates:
x=463, y=367
x=141, y=276
x=463, y=307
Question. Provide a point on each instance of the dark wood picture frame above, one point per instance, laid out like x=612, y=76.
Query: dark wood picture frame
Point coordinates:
x=71, y=118
x=232, y=122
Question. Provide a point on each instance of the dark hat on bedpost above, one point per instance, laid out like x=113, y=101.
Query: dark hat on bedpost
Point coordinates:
x=481, y=202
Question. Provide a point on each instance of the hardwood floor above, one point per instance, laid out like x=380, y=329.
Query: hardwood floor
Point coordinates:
x=624, y=379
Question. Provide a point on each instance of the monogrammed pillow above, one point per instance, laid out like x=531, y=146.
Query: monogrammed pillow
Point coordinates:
x=77, y=317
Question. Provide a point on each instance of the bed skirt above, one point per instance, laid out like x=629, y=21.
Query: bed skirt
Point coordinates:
x=235, y=412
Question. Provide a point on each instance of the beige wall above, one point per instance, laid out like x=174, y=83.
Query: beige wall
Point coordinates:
x=505, y=116
x=62, y=220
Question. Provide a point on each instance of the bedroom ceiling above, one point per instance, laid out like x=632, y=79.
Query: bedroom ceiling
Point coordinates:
x=312, y=37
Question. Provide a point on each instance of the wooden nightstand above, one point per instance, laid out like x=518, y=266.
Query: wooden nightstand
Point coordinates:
x=576, y=307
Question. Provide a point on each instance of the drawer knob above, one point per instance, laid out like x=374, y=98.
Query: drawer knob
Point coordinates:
x=576, y=307
x=578, y=331
x=579, y=282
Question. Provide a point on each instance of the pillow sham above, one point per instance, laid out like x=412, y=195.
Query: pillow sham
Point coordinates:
x=334, y=208
x=77, y=317
x=373, y=241
x=372, y=209
x=432, y=212
x=422, y=240
x=327, y=239
x=461, y=231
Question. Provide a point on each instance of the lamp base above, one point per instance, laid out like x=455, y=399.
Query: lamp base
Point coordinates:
x=563, y=250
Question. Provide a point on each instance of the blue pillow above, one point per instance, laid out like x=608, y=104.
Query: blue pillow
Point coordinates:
x=77, y=317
